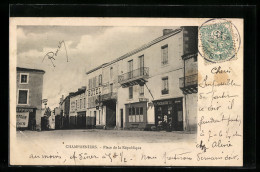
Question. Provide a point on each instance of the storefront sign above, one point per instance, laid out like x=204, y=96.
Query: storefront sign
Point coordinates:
x=18, y=109
x=143, y=99
x=94, y=91
x=160, y=103
x=22, y=119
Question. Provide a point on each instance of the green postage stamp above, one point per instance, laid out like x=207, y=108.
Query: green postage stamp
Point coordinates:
x=218, y=40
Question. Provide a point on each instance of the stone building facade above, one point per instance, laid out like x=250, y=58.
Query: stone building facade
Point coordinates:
x=153, y=86
x=29, y=86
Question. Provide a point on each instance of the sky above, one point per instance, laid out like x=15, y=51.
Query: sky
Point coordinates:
x=87, y=47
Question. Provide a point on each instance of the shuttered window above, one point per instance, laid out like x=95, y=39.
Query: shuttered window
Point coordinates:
x=165, y=85
x=164, y=50
x=23, y=97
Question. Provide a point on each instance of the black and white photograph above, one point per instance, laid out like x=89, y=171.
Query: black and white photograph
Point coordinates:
x=126, y=94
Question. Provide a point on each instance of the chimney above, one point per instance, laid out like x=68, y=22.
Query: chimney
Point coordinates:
x=61, y=99
x=167, y=31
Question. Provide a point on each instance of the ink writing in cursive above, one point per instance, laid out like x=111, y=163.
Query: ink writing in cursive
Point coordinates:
x=50, y=55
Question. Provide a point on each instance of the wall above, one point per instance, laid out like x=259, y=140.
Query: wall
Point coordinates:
x=35, y=86
x=191, y=66
x=152, y=59
x=94, y=90
x=191, y=112
x=107, y=80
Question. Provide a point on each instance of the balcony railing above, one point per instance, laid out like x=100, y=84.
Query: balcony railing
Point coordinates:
x=109, y=96
x=189, y=84
x=134, y=76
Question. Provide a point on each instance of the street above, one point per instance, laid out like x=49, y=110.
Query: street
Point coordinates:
x=107, y=135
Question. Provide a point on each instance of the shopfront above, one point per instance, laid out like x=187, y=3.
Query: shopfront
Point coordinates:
x=26, y=118
x=169, y=114
x=81, y=120
x=136, y=115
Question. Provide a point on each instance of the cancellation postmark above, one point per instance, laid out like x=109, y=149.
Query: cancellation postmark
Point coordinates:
x=219, y=40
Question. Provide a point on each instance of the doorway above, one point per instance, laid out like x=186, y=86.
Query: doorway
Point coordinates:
x=169, y=115
x=122, y=118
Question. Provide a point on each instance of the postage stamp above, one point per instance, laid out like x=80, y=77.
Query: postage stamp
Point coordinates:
x=219, y=40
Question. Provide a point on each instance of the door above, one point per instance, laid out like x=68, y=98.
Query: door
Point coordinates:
x=81, y=120
x=95, y=117
x=130, y=69
x=122, y=118
x=177, y=116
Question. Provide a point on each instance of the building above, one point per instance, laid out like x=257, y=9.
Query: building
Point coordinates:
x=102, y=94
x=65, y=111
x=189, y=82
x=29, y=86
x=77, y=115
x=58, y=117
x=153, y=85
x=94, y=91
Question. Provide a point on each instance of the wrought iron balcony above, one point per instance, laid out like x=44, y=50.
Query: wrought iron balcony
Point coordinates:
x=109, y=96
x=189, y=84
x=134, y=77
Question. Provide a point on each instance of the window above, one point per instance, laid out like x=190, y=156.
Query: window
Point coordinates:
x=130, y=69
x=89, y=83
x=111, y=72
x=137, y=111
x=23, y=96
x=165, y=86
x=76, y=104
x=111, y=88
x=133, y=111
x=100, y=80
x=24, y=77
x=141, y=111
x=141, y=91
x=141, y=65
x=80, y=105
x=94, y=82
x=164, y=54
x=84, y=102
x=130, y=92
x=135, y=114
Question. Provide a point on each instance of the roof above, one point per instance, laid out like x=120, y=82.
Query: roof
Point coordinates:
x=92, y=70
x=80, y=91
x=143, y=47
x=29, y=70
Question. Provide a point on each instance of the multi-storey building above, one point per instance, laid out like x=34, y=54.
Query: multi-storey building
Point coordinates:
x=58, y=117
x=102, y=94
x=65, y=111
x=94, y=92
x=29, y=86
x=77, y=116
x=149, y=89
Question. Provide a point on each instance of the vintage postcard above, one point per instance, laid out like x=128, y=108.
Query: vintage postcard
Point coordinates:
x=126, y=91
